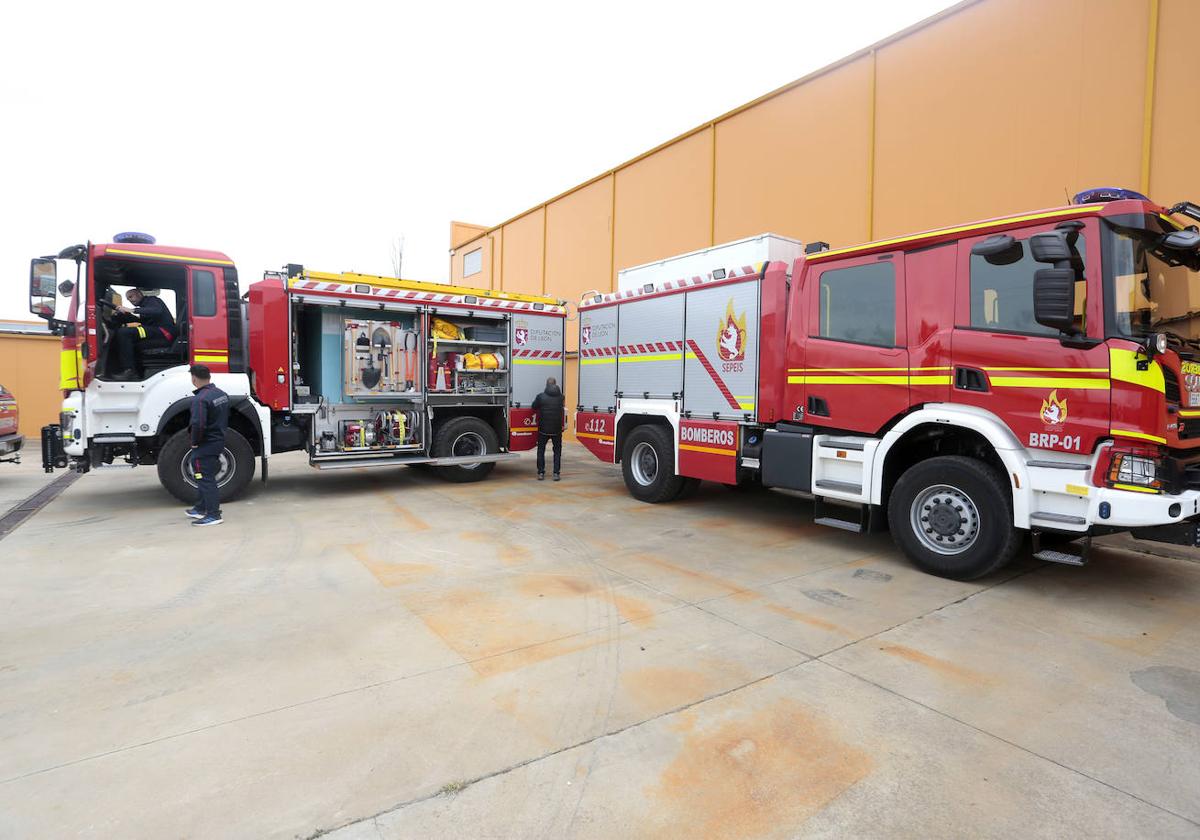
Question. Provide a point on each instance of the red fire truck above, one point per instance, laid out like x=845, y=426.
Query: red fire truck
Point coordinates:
x=355, y=370
x=1038, y=373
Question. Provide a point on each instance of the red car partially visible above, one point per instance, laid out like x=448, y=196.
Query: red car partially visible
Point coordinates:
x=10, y=441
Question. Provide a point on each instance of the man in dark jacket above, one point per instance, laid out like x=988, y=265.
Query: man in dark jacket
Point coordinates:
x=210, y=418
x=149, y=324
x=549, y=408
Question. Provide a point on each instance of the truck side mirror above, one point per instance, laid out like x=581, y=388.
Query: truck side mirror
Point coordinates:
x=1049, y=248
x=1054, y=298
x=1000, y=249
x=43, y=282
x=1183, y=240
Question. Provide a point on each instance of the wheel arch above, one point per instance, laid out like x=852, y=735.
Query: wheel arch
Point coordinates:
x=953, y=430
x=242, y=417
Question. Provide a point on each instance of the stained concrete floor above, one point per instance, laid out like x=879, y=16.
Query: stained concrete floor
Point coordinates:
x=381, y=654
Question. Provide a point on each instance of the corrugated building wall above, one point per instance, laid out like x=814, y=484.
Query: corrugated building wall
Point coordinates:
x=991, y=107
x=29, y=368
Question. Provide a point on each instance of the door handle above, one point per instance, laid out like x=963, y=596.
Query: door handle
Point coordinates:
x=817, y=407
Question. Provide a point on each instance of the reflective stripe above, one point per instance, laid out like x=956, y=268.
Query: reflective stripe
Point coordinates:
x=661, y=357
x=707, y=449
x=869, y=380
x=834, y=370
x=593, y=436
x=1049, y=382
x=1124, y=365
x=1138, y=435
x=1134, y=488
x=220, y=359
x=141, y=331
x=612, y=361
x=537, y=361
x=1047, y=370
x=1069, y=211
x=167, y=257
x=68, y=369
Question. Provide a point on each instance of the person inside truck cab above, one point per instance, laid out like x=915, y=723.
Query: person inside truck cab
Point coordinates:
x=146, y=323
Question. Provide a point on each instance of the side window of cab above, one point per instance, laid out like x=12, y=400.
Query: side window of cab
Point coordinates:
x=1001, y=285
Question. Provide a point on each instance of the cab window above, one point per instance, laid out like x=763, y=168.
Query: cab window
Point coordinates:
x=858, y=304
x=1002, y=290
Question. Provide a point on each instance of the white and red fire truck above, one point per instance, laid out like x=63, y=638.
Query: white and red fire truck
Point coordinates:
x=355, y=370
x=1038, y=373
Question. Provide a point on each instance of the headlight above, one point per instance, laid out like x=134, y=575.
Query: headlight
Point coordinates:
x=1160, y=343
x=1135, y=470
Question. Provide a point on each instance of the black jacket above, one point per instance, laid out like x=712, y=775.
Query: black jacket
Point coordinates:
x=210, y=416
x=549, y=406
x=153, y=314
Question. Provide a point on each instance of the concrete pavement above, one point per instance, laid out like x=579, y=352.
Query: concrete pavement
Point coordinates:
x=378, y=653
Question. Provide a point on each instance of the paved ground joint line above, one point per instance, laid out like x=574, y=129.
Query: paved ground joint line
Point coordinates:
x=29, y=507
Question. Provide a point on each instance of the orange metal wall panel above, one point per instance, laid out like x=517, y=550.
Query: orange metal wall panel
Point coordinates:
x=29, y=368
x=578, y=245
x=1174, y=163
x=1000, y=108
x=796, y=164
x=664, y=203
x=521, y=261
x=482, y=280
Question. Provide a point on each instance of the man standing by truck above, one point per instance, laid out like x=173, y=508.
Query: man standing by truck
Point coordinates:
x=549, y=408
x=209, y=419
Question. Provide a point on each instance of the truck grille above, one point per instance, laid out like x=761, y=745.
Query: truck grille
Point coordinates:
x=1171, y=383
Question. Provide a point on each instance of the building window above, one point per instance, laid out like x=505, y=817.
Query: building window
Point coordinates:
x=1002, y=290
x=858, y=304
x=204, y=294
x=473, y=262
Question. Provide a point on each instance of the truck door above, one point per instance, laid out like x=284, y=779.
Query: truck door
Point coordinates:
x=855, y=374
x=537, y=354
x=202, y=320
x=1052, y=396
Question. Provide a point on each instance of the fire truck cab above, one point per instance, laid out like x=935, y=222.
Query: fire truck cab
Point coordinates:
x=1038, y=373
x=355, y=370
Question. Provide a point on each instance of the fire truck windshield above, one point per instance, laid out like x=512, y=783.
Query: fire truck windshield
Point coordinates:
x=1150, y=288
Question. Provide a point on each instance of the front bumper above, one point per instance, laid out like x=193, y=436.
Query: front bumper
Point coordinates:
x=10, y=445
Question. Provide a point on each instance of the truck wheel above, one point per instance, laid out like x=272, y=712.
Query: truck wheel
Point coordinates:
x=233, y=474
x=953, y=518
x=465, y=436
x=648, y=464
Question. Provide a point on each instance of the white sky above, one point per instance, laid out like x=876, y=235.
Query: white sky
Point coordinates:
x=317, y=132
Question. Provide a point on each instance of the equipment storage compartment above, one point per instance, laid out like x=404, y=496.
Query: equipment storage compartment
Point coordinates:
x=464, y=365
x=720, y=377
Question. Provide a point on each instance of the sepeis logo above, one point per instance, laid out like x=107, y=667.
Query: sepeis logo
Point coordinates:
x=707, y=435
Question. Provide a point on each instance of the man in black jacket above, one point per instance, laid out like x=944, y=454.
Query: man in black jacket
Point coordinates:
x=150, y=325
x=210, y=418
x=549, y=406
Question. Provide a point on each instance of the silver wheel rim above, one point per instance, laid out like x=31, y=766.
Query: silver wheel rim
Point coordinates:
x=468, y=443
x=226, y=468
x=644, y=463
x=945, y=519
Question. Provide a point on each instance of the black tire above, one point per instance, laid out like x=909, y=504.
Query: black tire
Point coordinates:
x=459, y=433
x=176, y=476
x=964, y=510
x=648, y=464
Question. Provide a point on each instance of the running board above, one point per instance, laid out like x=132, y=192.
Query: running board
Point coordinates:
x=347, y=463
x=828, y=515
x=1077, y=555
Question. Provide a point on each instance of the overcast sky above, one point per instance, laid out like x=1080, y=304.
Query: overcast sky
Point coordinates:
x=317, y=132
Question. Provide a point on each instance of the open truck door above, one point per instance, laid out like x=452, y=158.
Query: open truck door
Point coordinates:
x=537, y=354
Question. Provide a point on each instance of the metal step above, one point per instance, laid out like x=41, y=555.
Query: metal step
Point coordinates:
x=1049, y=555
x=843, y=524
x=1064, y=518
x=346, y=463
x=854, y=445
x=839, y=486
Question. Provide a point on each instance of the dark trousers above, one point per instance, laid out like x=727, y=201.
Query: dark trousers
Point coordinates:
x=128, y=340
x=541, y=456
x=205, y=463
